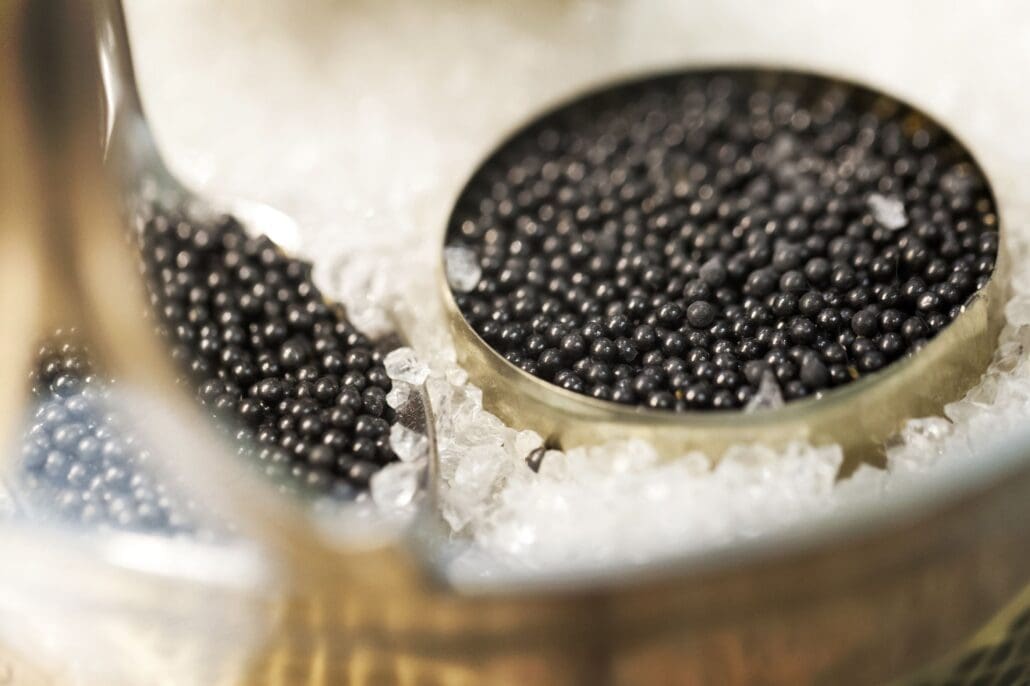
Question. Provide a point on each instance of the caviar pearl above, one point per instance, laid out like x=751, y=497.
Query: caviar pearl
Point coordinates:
x=671, y=232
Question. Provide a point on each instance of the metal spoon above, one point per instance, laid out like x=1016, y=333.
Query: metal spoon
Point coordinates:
x=87, y=280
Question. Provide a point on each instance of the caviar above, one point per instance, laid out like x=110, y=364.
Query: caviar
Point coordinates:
x=300, y=390
x=264, y=350
x=673, y=243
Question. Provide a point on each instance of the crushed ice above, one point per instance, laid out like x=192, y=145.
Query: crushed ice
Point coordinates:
x=888, y=212
x=396, y=485
x=398, y=394
x=588, y=506
x=462, y=267
x=768, y=397
x=439, y=114
x=403, y=364
x=409, y=445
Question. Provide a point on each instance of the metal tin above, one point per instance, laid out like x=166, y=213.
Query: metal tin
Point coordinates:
x=858, y=416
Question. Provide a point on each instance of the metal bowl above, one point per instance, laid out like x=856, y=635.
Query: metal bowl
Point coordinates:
x=867, y=594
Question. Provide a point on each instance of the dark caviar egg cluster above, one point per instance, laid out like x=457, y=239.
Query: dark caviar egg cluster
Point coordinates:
x=298, y=388
x=266, y=351
x=680, y=242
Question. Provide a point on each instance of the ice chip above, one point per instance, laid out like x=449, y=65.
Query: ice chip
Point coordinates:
x=768, y=396
x=888, y=212
x=462, y=268
x=404, y=365
x=479, y=470
x=456, y=375
x=526, y=442
x=395, y=485
x=1017, y=311
x=409, y=445
x=398, y=394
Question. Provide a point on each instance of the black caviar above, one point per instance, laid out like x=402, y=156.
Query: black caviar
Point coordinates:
x=673, y=242
x=265, y=350
x=298, y=387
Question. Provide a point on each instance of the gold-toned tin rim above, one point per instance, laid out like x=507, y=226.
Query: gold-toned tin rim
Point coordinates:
x=987, y=302
x=794, y=409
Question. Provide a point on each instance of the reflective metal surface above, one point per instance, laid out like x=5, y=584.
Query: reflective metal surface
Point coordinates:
x=862, y=596
x=858, y=416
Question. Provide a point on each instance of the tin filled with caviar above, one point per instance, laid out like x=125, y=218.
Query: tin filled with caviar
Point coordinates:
x=722, y=256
